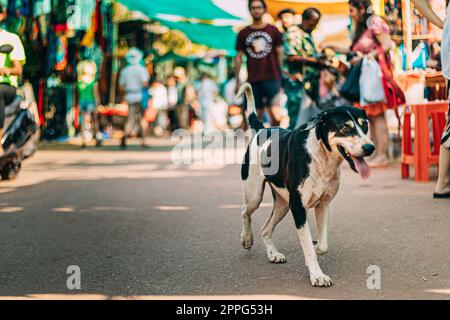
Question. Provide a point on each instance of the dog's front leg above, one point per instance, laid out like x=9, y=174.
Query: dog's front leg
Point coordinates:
x=317, y=277
x=322, y=216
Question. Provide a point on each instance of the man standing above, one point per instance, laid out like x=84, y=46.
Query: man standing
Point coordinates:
x=292, y=43
x=300, y=60
x=262, y=45
x=134, y=78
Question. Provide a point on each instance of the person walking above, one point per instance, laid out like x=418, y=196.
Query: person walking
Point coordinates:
x=134, y=78
x=172, y=100
x=442, y=189
x=301, y=61
x=207, y=94
x=89, y=99
x=261, y=43
x=158, y=92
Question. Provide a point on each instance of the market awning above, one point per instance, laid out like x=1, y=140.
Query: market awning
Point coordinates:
x=217, y=37
x=339, y=7
x=202, y=21
x=327, y=7
x=198, y=9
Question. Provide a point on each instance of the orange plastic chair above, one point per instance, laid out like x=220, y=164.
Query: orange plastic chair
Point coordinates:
x=422, y=156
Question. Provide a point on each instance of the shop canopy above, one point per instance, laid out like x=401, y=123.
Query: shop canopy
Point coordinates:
x=202, y=21
x=213, y=22
x=198, y=9
x=339, y=7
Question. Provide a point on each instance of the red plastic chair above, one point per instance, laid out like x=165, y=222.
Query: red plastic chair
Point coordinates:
x=422, y=156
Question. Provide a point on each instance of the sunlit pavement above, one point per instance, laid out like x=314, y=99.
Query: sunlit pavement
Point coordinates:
x=141, y=227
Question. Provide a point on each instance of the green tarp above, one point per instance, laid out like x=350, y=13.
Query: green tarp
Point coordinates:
x=200, y=9
x=214, y=36
x=217, y=37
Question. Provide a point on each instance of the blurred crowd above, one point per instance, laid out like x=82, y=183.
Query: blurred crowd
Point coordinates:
x=292, y=80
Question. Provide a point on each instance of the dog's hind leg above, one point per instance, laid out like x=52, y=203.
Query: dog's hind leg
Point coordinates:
x=322, y=216
x=253, y=195
x=279, y=211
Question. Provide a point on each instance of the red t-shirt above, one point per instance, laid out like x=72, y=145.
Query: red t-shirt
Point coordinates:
x=259, y=45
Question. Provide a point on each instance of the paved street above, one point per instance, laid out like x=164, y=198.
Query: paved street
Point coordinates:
x=139, y=226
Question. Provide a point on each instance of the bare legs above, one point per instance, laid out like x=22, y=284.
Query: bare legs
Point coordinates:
x=443, y=182
x=380, y=136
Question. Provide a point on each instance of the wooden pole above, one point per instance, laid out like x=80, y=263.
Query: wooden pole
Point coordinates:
x=407, y=32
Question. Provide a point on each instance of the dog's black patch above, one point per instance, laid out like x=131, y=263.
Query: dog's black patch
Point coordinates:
x=293, y=166
x=254, y=122
x=245, y=165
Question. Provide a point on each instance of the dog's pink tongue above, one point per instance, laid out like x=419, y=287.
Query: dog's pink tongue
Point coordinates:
x=362, y=167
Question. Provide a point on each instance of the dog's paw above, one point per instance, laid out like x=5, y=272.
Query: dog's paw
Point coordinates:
x=321, y=280
x=320, y=250
x=247, y=241
x=277, y=258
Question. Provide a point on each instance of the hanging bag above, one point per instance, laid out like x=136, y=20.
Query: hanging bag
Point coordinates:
x=350, y=88
x=394, y=95
x=371, y=82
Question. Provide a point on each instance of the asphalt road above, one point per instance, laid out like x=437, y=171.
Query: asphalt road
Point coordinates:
x=139, y=226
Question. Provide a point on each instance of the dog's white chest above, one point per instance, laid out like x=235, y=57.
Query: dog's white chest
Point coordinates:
x=317, y=189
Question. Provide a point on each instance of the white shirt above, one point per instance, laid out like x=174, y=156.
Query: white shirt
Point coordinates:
x=18, y=54
x=172, y=96
x=230, y=94
x=208, y=90
x=131, y=78
x=159, y=96
x=445, y=53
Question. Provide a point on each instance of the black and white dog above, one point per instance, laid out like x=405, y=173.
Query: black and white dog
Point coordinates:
x=302, y=167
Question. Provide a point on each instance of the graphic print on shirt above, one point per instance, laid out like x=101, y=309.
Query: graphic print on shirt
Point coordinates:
x=259, y=44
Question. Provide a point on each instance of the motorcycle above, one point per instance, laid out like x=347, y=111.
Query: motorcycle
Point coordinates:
x=21, y=137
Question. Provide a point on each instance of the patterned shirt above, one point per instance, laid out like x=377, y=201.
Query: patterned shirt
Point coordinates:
x=296, y=42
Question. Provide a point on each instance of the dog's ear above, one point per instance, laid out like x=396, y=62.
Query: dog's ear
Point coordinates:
x=322, y=129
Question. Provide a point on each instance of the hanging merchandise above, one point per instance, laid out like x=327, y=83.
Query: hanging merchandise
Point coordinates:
x=43, y=21
x=89, y=37
x=82, y=14
x=42, y=7
x=61, y=50
x=419, y=56
x=55, y=114
x=440, y=8
x=55, y=34
x=26, y=8
x=59, y=11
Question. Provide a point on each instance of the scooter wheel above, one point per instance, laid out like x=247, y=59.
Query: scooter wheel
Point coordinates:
x=10, y=173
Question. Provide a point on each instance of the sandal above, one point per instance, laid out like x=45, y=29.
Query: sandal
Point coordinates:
x=441, y=195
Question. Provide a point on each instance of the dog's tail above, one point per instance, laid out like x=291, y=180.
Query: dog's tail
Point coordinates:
x=251, y=110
